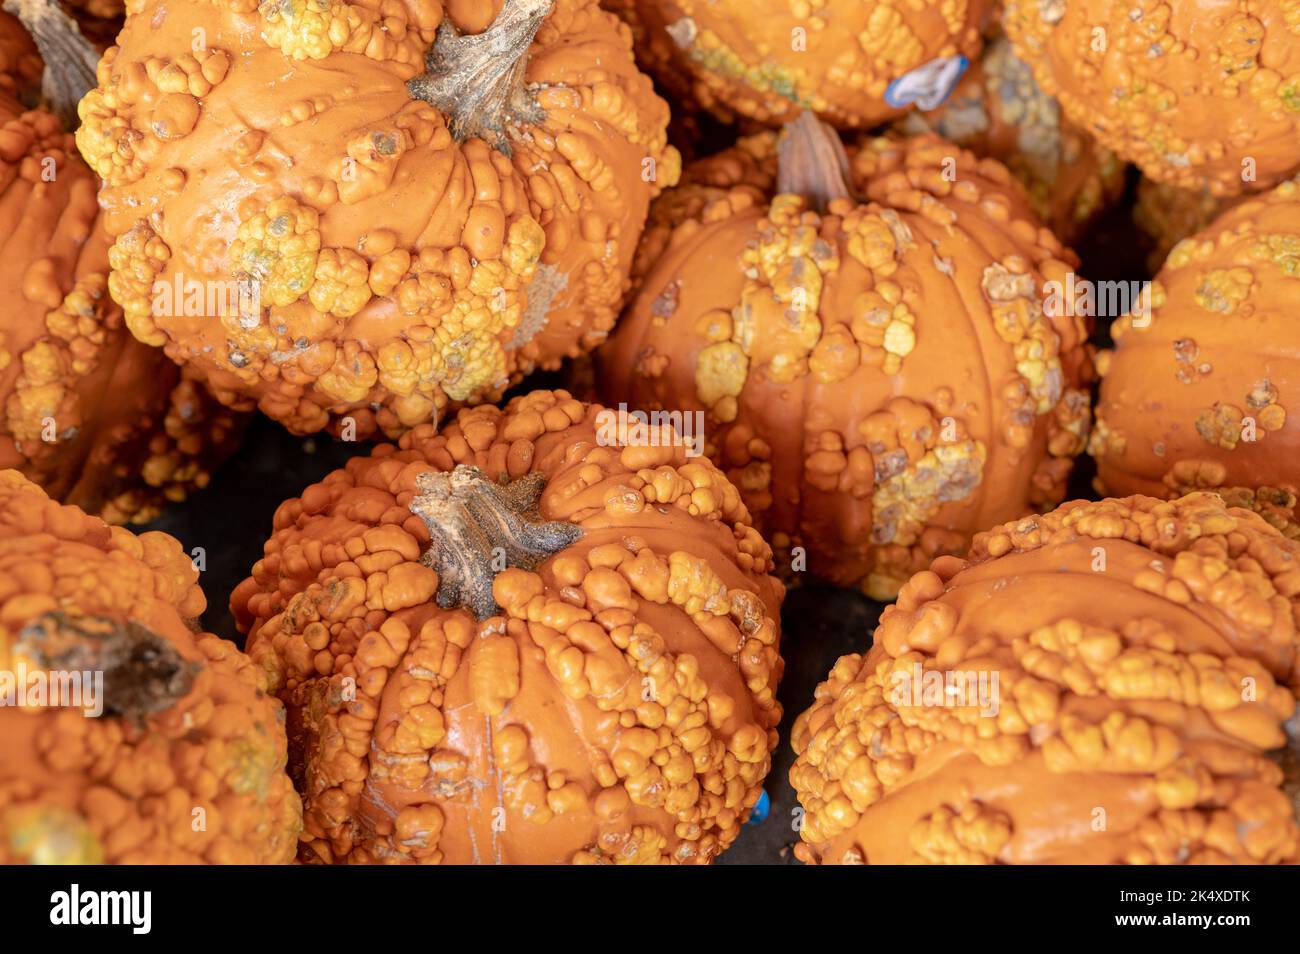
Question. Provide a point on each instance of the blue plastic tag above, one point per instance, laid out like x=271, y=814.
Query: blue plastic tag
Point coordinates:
x=761, y=808
x=928, y=86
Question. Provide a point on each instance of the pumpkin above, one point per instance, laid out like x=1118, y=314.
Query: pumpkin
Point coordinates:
x=88, y=412
x=127, y=736
x=1202, y=95
x=99, y=9
x=21, y=66
x=768, y=60
x=880, y=378
x=1204, y=392
x=545, y=634
x=997, y=110
x=99, y=20
x=1167, y=214
x=658, y=55
x=1097, y=685
x=367, y=242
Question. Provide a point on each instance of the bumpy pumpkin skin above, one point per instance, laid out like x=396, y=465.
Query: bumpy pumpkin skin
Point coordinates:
x=998, y=111
x=743, y=59
x=1122, y=688
x=919, y=394
x=97, y=418
x=20, y=61
x=529, y=737
x=99, y=20
x=399, y=272
x=1167, y=214
x=1182, y=398
x=1188, y=91
x=123, y=788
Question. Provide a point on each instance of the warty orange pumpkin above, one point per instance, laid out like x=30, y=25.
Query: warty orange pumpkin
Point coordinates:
x=880, y=378
x=1167, y=214
x=998, y=111
x=1204, y=393
x=1203, y=95
x=768, y=60
x=94, y=416
x=1101, y=684
x=21, y=67
x=409, y=204
x=177, y=756
x=543, y=635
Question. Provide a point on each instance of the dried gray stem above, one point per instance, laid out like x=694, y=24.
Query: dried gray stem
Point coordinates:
x=478, y=81
x=478, y=527
x=70, y=60
x=811, y=162
x=143, y=672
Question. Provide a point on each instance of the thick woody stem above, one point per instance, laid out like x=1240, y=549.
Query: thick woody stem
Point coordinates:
x=811, y=162
x=143, y=672
x=70, y=60
x=477, y=82
x=478, y=527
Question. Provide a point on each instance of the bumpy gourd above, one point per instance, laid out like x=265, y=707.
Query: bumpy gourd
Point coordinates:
x=94, y=416
x=1203, y=95
x=767, y=60
x=540, y=636
x=879, y=378
x=1146, y=655
x=20, y=61
x=184, y=764
x=1205, y=392
x=1167, y=214
x=403, y=217
x=998, y=110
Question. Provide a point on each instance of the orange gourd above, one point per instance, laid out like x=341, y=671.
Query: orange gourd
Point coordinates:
x=177, y=756
x=94, y=416
x=1167, y=214
x=998, y=111
x=767, y=60
x=543, y=635
x=1205, y=392
x=381, y=242
x=21, y=66
x=880, y=378
x=1101, y=684
x=1202, y=95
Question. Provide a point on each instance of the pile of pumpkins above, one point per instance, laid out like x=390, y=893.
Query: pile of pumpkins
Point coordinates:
x=830, y=344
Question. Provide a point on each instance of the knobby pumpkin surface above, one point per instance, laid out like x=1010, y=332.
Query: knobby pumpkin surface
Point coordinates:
x=400, y=241
x=1168, y=214
x=1147, y=657
x=1202, y=94
x=767, y=60
x=999, y=111
x=881, y=378
x=94, y=416
x=1204, y=393
x=526, y=639
x=185, y=764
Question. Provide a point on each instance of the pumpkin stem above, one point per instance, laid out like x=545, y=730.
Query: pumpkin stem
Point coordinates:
x=70, y=60
x=478, y=527
x=478, y=81
x=143, y=672
x=811, y=162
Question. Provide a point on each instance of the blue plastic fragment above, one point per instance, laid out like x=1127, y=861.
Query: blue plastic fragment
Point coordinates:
x=929, y=85
x=761, y=809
